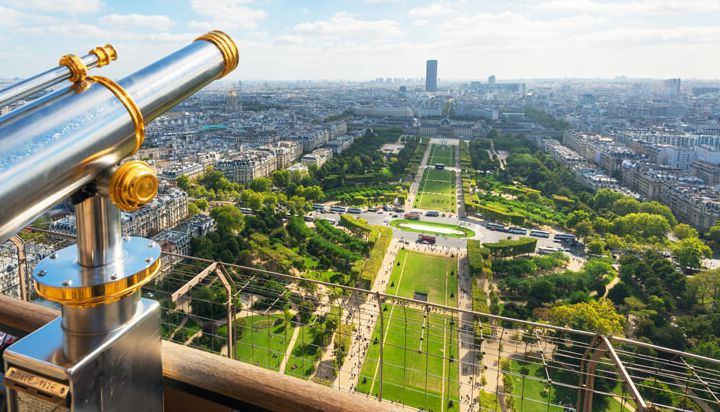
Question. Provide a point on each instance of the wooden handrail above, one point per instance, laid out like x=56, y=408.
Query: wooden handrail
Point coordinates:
x=213, y=373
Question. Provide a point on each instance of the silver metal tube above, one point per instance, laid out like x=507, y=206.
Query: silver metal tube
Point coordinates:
x=99, y=319
x=99, y=235
x=41, y=81
x=56, y=149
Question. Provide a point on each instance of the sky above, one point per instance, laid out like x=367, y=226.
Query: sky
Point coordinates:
x=366, y=39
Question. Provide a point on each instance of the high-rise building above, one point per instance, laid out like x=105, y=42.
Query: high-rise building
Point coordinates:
x=431, y=76
x=491, y=80
x=671, y=87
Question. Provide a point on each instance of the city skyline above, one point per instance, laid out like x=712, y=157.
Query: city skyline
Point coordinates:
x=281, y=40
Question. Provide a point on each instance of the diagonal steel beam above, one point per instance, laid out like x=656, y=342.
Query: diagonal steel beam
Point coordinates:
x=640, y=404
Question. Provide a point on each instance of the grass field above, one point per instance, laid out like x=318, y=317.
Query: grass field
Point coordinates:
x=263, y=342
x=437, y=191
x=420, y=349
x=418, y=272
x=305, y=354
x=442, y=154
x=432, y=228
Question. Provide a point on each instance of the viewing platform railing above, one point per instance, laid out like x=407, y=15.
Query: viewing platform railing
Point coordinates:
x=364, y=350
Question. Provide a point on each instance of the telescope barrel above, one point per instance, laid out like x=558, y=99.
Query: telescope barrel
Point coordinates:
x=51, y=152
x=98, y=57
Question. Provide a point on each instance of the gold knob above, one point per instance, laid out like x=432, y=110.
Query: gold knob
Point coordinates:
x=133, y=185
x=105, y=54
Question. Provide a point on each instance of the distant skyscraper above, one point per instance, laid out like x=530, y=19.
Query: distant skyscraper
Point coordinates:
x=672, y=87
x=431, y=76
x=491, y=80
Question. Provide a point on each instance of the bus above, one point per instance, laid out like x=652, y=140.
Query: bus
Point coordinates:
x=439, y=166
x=539, y=233
x=338, y=209
x=432, y=213
x=495, y=226
x=517, y=231
x=331, y=221
x=549, y=250
x=563, y=237
x=319, y=207
x=354, y=210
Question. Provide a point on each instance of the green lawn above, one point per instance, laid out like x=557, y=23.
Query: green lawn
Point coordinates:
x=305, y=354
x=442, y=154
x=431, y=228
x=437, y=191
x=438, y=181
x=418, y=272
x=263, y=342
x=419, y=367
x=529, y=384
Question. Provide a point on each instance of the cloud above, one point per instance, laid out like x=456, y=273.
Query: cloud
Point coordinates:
x=158, y=22
x=654, y=36
x=343, y=26
x=57, y=6
x=226, y=14
x=629, y=6
x=433, y=10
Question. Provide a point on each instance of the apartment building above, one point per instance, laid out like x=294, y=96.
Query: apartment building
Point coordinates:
x=245, y=166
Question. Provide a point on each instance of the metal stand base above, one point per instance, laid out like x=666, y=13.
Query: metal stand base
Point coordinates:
x=120, y=370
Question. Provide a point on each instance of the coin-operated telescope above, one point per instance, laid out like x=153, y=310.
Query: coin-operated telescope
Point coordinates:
x=104, y=352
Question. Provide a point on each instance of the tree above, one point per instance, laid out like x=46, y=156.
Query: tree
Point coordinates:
x=604, y=199
x=643, y=226
x=576, y=217
x=193, y=209
x=261, y=184
x=183, y=182
x=657, y=208
x=625, y=206
x=596, y=246
x=714, y=233
x=704, y=289
x=281, y=178
x=602, y=225
x=202, y=204
x=228, y=218
x=597, y=316
x=584, y=229
x=540, y=292
x=684, y=231
x=690, y=251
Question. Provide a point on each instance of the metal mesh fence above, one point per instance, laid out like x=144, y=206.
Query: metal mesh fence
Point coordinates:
x=410, y=352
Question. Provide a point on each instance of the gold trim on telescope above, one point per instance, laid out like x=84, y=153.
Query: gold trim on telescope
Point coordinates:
x=129, y=104
x=78, y=70
x=88, y=296
x=105, y=54
x=227, y=47
x=133, y=185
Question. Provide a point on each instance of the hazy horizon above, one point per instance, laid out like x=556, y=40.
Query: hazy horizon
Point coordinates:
x=367, y=39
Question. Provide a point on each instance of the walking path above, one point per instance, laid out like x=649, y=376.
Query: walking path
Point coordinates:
x=288, y=351
x=357, y=313
x=459, y=193
x=415, y=185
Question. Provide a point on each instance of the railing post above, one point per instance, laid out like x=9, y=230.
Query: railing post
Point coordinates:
x=22, y=267
x=227, y=282
x=382, y=340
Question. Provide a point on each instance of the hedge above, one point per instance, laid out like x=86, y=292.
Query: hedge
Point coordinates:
x=508, y=247
x=381, y=236
x=355, y=224
x=475, y=260
x=514, y=218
